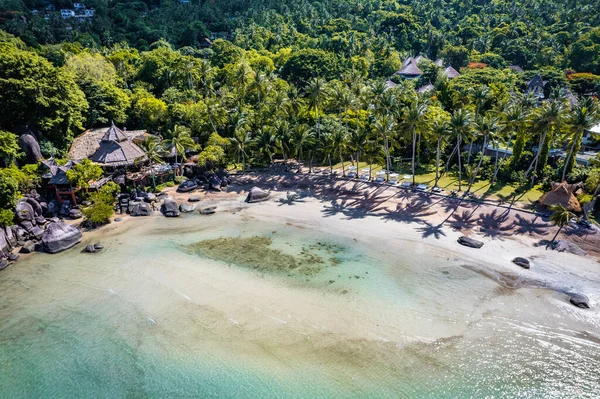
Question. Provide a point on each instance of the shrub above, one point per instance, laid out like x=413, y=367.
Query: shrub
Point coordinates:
x=179, y=179
x=98, y=212
x=6, y=217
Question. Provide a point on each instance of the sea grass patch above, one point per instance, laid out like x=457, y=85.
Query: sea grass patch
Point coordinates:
x=257, y=253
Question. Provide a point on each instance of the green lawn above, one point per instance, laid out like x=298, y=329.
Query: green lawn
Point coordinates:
x=501, y=191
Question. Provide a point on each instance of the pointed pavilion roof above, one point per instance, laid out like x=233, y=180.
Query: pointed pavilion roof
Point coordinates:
x=426, y=89
x=389, y=84
x=562, y=194
x=114, y=134
x=410, y=70
x=451, y=73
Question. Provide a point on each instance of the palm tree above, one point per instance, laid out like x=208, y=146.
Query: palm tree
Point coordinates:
x=513, y=123
x=179, y=142
x=545, y=121
x=316, y=91
x=580, y=120
x=413, y=118
x=486, y=127
x=440, y=130
x=560, y=217
x=358, y=139
x=266, y=143
x=301, y=135
x=479, y=96
x=460, y=125
x=241, y=141
x=283, y=136
x=384, y=127
x=339, y=140
x=154, y=151
x=260, y=85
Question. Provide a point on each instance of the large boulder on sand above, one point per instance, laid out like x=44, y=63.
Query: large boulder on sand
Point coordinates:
x=11, y=238
x=469, y=242
x=4, y=244
x=187, y=208
x=141, y=209
x=257, y=194
x=579, y=300
x=523, y=262
x=60, y=236
x=169, y=208
x=24, y=211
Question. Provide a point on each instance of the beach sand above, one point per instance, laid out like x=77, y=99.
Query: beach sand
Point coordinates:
x=405, y=311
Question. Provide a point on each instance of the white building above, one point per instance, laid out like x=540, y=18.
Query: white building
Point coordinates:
x=67, y=13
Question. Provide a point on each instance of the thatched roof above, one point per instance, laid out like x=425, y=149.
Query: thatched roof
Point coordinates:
x=439, y=62
x=118, y=153
x=419, y=59
x=516, y=68
x=426, y=89
x=389, y=84
x=410, y=70
x=408, y=61
x=562, y=194
x=451, y=73
x=86, y=144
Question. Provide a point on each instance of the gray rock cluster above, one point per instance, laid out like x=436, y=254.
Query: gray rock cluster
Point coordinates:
x=170, y=207
x=36, y=229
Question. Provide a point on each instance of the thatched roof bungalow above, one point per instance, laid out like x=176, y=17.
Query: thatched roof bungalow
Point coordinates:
x=410, y=70
x=562, y=194
x=451, y=73
x=88, y=142
x=117, y=149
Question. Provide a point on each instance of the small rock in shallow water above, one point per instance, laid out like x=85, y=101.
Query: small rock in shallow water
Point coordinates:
x=12, y=257
x=28, y=247
x=579, y=300
x=90, y=249
x=523, y=262
x=3, y=264
x=98, y=245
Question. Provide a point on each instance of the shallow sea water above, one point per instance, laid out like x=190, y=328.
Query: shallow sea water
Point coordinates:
x=146, y=317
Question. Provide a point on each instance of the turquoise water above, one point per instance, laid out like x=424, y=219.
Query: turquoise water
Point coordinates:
x=146, y=318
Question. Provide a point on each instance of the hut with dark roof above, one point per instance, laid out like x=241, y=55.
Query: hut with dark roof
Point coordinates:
x=410, y=70
x=562, y=194
x=117, y=150
x=88, y=142
x=536, y=86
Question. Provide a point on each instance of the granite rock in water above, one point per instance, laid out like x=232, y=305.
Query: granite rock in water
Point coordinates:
x=579, y=300
x=4, y=244
x=523, y=262
x=12, y=257
x=10, y=235
x=257, y=194
x=469, y=242
x=28, y=247
x=3, y=263
x=37, y=232
x=208, y=211
x=59, y=237
x=170, y=208
x=187, y=208
x=98, y=246
x=90, y=249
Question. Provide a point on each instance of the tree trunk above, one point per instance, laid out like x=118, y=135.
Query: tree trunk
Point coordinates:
x=330, y=165
x=449, y=159
x=478, y=165
x=496, y=167
x=243, y=162
x=557, y=233
x=414, y=143
x=469, y=154
x=459, y=166
x=387, y=157
x=437, y=162
x=343, y=168
x=568, y=160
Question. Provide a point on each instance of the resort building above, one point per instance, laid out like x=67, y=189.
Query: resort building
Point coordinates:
x=109, y=147
x=562, y=194
x=410, y=70
x=536, y=86
x=450, y=73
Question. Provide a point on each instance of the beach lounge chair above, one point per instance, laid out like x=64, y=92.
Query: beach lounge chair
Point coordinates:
x=393, y=179
x=422, y=187
x=406, y=184
x=380, y=179
x=437, y=189
x=351, y=175
x=364, y=177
